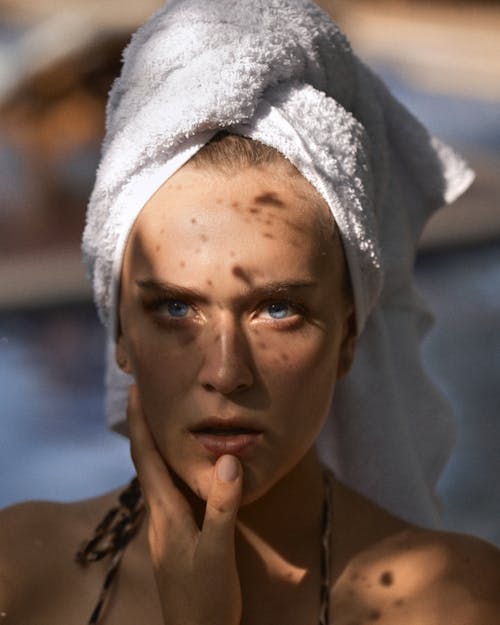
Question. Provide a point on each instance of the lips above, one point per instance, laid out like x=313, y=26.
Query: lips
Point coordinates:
x=226, y=436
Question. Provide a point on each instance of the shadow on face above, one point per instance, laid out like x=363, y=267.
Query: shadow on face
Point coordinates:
x=234, y=304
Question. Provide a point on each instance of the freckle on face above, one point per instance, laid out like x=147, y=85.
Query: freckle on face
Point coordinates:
x=209, y=282
x=268, y=235
x=374, y=615
x=254, y=210
x=193, y=220
x=182, y=263
x=157, y=248
x=203, y=237
x=271, y=198
x=261, y=345
x=240, y=273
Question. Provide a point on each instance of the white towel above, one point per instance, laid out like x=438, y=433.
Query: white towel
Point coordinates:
x=280, y=71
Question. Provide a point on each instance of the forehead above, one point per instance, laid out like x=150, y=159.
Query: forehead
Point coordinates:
x=264, y=196
x=264, y=216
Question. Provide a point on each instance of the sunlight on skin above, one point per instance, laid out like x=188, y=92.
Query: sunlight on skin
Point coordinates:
x=412, y=578
x=227, y=338
x=269, y=554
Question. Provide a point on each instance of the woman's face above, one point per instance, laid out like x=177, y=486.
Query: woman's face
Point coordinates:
x=234, y=321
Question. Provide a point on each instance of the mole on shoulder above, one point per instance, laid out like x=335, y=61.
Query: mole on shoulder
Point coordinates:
x=374, y=615
x=386, y=578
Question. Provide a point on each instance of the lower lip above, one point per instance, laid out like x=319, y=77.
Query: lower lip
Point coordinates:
x=220, y=444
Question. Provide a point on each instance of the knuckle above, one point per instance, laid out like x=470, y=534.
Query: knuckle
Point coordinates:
x=219, y=505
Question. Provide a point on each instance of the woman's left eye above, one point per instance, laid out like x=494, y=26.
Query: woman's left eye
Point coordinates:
x=279, y=310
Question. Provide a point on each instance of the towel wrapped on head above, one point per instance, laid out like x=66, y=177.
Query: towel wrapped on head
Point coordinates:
x=281, y=72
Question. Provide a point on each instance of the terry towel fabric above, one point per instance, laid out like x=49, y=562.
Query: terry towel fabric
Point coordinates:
x=281, y=72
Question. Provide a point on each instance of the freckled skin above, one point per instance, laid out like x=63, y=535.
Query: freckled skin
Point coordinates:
x=204, y=372
x=270, y=197
x=240, y=273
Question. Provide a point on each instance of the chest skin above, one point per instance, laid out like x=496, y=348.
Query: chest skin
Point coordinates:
x=384, y=571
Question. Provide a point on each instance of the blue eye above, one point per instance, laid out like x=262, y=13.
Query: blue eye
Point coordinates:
x=177, y=308
x=279, y=310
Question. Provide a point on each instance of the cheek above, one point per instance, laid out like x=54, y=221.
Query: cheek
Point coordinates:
x=164, y=366
x=294, y=366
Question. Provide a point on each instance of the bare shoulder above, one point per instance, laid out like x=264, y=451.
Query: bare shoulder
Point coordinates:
x=425, y=577
x=38, y=543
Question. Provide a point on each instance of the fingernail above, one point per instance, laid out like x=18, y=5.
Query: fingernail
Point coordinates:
x=227, y=469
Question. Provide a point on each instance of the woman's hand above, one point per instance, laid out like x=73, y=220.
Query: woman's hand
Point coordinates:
x=195, y=570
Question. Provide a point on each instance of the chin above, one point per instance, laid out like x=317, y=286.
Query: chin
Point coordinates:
x=198, y=478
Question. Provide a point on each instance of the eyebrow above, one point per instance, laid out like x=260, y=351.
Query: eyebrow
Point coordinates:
x=269, y=289
x=171, y=290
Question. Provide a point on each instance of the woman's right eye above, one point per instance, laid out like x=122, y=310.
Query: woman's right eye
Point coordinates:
x=175, y=308
x=170, y=308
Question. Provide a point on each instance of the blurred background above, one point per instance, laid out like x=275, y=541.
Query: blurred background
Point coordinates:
x=57, y=61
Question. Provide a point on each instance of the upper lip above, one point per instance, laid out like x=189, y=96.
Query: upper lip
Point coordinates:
x=223, y=423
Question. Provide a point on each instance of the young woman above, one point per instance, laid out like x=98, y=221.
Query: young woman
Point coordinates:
x=237, y=265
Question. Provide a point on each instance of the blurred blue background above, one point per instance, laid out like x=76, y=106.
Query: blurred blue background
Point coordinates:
x=53, y=439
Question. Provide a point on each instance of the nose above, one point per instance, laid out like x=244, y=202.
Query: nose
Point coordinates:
x=227, y=363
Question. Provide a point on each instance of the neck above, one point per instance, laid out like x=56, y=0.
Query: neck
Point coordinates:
x=286, y=518
x=288, y=515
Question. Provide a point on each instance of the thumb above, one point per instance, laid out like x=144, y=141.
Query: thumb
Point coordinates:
x=222, y=503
